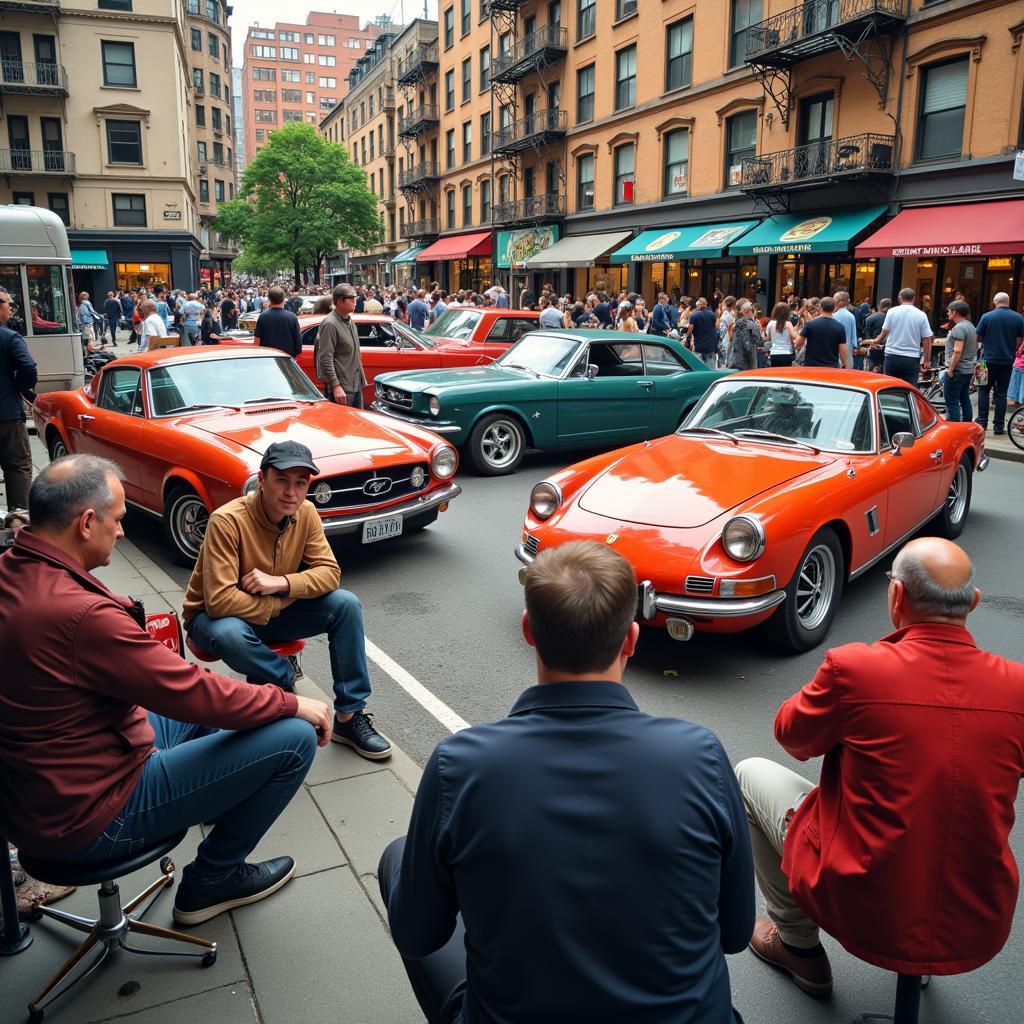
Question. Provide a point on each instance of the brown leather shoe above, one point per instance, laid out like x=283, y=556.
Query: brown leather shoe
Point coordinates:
x=812, y=974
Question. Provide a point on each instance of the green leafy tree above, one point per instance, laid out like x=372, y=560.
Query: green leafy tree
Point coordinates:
x=300, y=197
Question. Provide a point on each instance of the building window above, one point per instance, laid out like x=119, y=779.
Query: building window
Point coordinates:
x=744, y=14
x=327, y=60
x=292, y=116
x=449, y=90
x=265, y=95
x=467, y=205
x=201, y=151
x=124, y=142
x=467, y=142
x=266, y=116
x=625, y=78
x=290, y=75
x=485, y=134
x=204, y=190
x=310, y=77
x=940, y=125
x=218, y=190
x=217, y=118
x=585, y=182
x=625, y=172
x=290, y=53
x=464, y=16
x=289, y=95
x=129, y=210
x=467, y=78
x=327, y=82
x=449, y=149
x=309, y=58
x=214, y=84
x=114, y=5
x=485, y=68
x=265, y=75
x=679, y=55
x=261, y=134
x=326, y=40
x=119, y=64
x=197, y=81
x=58, y=203
x=212, y=13
x=485, y=201
x=586, y=18
x=197, y=40
x=677, y=160
x=288, y=37
x=218, y=152
x=201, y=116
x=269, y=52
x=449, y=199
x=213, y=44
x=449, y=27
x=740, y=145
x=585, y=95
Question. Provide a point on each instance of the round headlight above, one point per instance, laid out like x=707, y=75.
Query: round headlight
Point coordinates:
x=443, y=462
x=251, y=486
x=545, y=499
x=433, y=405
x=743, y=538
x=417, y=476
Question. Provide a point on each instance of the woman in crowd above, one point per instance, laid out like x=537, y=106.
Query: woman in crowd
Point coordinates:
x=782, y=337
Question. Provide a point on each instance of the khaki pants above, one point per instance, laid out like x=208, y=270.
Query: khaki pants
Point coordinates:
x=15, y=462
x=770, y=792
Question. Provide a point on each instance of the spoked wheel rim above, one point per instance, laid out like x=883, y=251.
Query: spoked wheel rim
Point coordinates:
x=1015, y=428
x=815, y=586
x=956, y=500
x=501, y=444
x=188, y=523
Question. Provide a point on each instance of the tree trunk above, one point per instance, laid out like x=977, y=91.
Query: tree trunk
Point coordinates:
x=297, y=270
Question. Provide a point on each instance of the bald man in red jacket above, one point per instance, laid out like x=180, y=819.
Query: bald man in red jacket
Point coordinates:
x=902, y=851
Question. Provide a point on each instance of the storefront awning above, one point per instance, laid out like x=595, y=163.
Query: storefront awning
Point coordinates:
x=409, y=255
x=457, y=247
x=89, y=259
x=517, y=246
x=971, y=229
x=807, y=232
x=576, y=251
x=691, y=242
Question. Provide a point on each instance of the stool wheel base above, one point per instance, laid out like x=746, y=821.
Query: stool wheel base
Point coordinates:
x=9, y=947
x=209, y=959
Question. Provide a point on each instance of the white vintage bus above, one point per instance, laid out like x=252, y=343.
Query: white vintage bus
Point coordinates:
x=35, y=269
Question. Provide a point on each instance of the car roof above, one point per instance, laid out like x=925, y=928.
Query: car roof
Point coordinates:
x=197, y=353
x=823, y=375
x=496, y=311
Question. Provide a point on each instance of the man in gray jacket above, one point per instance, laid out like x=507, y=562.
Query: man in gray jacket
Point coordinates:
x=338, y=361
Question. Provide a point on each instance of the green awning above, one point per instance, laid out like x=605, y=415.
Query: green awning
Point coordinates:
x=808, y=232
x=691, y=242
x=516, y=247
x=89, y=259
x=409, y=255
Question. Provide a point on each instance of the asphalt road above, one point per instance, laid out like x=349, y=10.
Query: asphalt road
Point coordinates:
x=445, y=605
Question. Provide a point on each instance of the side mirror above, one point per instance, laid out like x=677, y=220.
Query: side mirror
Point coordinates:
x=900, y=441
x=591, y=371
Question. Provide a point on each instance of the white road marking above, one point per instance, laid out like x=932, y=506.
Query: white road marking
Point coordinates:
x=412, y=686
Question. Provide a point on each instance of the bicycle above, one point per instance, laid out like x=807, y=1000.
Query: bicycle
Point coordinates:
x=930, y=385
x=1015, y=427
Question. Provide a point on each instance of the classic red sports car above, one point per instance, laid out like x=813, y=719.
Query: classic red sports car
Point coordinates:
x=779, y=487
x=189, y=427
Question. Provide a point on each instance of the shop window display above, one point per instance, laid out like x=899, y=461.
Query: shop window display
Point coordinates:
x=47, y=299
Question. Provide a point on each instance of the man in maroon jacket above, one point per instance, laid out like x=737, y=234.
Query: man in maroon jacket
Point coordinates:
x=107, y=739
x=902, y=851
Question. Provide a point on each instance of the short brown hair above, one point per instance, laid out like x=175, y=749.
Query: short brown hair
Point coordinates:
x=580, y=599
x=276, y=295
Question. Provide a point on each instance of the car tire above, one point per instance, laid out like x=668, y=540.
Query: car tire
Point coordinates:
x=803, y=620
x=497, y=445
x=185, y=518
x=953, y=514
x=57, y=446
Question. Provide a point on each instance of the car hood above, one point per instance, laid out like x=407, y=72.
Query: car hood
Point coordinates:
x=454, y=379
x=687, y=482
x=325, y=429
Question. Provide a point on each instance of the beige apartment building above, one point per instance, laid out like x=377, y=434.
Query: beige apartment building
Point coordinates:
x=98, y=122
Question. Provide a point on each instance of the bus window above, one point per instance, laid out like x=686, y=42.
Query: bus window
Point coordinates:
x=47, y=300
x=10, y=282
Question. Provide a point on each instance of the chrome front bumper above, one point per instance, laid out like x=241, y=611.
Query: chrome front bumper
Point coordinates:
x=417, y=421
x=650, y=602
x=983, y=464
x=337, y=525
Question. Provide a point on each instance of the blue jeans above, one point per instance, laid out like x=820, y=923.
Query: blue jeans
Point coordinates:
x=243, y=646
x=190, y=334
x=857, y=362
x=243, y=780
x=956, y=390
x=906, y=368
x=999, y=382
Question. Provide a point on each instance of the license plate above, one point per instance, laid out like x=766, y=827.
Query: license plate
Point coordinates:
x=382, y=529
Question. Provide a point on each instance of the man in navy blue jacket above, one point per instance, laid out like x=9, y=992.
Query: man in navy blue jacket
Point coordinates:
x=664, y=316
x=578, y=860
x=18, y=375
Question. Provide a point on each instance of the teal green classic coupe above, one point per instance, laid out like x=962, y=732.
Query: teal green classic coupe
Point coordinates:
x=552, y=390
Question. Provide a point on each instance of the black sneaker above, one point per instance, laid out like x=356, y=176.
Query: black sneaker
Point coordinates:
x=249, y=884
x=293, y=660
x=359, y=734
x=998, y=430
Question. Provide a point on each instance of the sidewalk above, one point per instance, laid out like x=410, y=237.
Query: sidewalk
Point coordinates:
x=316, y=952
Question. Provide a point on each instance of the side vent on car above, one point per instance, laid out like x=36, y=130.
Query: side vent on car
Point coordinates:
x=872, y=517
x=700, y=584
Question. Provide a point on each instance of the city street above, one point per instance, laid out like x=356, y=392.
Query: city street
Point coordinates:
x=444, y=607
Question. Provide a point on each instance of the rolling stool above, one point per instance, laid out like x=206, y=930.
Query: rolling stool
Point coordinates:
x=115, y=923
x=908, y=1001
x=288, y=649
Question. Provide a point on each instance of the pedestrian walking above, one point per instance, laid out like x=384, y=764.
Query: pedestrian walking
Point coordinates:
x=824, y=339
x=844, y=316
x=874, y=355
x=702, y=335
x=18, y=376
x=87, y=316
x=1001, y=333
x=278, y=327
x=907, y=335
x=192, y=312
x=782, y=337
x=112, y=311
x=961, y=361
x=746, y=337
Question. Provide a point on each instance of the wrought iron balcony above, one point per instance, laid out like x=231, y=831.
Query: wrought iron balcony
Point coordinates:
x=419, y=177
x=37, y=161
x=857, y=156
x=532, y=209
x=540, y=47
x=40, y=79
x=47, y=6
x=426, y=228
x=389, y=99
x=540, y=128
x=503, y=5
x=421, y=62
x=420, y=120
x=816, y=27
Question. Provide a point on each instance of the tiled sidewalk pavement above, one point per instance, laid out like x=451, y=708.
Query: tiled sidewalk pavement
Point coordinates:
x=318, y=951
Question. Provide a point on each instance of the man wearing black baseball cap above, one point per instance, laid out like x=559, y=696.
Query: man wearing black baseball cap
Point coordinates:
x=266, y=574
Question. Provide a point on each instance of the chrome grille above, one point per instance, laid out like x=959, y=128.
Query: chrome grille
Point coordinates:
x=531, y=544
x=394, y=396
x=699, y=584
x=366, y=488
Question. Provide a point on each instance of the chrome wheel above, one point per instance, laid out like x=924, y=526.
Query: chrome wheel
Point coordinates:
x=956, y=500
x=187, y=518
x=815, y=586
x=501, y=444
x=58, y=449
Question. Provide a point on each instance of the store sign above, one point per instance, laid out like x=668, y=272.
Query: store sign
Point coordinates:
x=718, y=238
x=204, y=274
x=655, y=249
x=526, y=242
x=940, y=250
x=172, y=214
x=798, y=237
x=1000, y=263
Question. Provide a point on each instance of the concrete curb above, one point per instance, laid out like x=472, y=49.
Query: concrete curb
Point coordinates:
x=1004, y=454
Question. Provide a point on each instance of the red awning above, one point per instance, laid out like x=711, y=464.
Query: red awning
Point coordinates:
x=457, y=247
x=971, y=229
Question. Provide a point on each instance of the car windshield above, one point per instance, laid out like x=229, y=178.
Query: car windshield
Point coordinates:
x=830, y=418
x=455, y=323
x=410, y=334
x=545, y=354
x=179, y=387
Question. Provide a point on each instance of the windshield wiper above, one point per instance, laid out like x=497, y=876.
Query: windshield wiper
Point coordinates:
x=278, y=398
x=708, y=430
x=198, y=406
x=767, y=435
x=519, y=366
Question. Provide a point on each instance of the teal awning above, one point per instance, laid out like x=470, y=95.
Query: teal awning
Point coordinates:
x=409, y=255
x=89, y=259
x=808, y=232
x=695, y=241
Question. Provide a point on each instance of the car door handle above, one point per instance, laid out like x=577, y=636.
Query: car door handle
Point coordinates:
x=645, y=383
x=85, y=418
x=936, y=455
